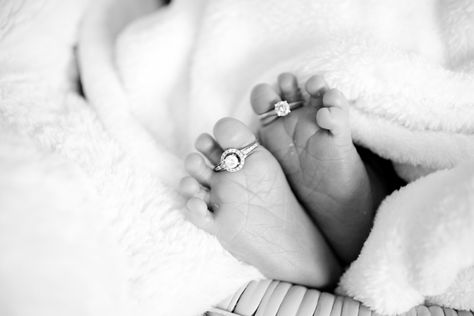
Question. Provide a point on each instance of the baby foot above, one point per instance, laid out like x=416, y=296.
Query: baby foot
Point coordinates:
x=314, y=146
x=253, y=212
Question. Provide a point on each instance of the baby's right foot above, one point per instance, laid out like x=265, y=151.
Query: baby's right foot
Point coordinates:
x=314, y=146
x=253, y=212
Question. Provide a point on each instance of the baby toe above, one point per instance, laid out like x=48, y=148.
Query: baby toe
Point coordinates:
x=199, y=215
x=316, y=86
x=333, y=116
x=263, y=98
x=231, y=133
x=333, y=120
x=208, y=146
x=289, y=87
x=190, y=187
x=197, y=168
x=335, y=98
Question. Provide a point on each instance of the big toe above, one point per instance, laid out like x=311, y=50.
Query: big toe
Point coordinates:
x=263, y=98
x=231, y=133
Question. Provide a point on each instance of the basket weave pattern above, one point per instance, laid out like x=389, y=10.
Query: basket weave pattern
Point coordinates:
x=272, y=298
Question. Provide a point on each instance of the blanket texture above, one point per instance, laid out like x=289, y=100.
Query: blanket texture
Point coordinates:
x=90, y=222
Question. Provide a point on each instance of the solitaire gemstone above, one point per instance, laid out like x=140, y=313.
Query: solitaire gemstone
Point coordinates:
x=231, y=161
x=282, y=108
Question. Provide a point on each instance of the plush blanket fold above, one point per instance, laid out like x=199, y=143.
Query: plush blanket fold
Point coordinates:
x=102, y=230
x=412, y=102
x=90, y=221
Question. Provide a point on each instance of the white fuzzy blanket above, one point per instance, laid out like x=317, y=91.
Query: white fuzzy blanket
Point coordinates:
x=90, y=222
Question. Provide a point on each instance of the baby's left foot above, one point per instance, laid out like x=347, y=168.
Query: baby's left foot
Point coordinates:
x=314, y=147
x=253, y=212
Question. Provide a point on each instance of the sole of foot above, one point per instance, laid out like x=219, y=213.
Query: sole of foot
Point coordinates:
x=313, y=144
x=253, y=212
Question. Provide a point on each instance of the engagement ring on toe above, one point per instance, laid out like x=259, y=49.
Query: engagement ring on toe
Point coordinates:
x=233, y=159
x=281, y=108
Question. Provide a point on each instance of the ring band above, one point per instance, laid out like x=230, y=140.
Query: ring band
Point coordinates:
x=233, y=159
x=281, y=109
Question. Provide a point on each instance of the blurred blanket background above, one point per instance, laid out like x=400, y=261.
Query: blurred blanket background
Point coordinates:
x=90, y=221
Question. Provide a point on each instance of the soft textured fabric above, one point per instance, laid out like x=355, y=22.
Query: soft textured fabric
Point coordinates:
x=90, y=220
x=406, y=66
x=88, y=223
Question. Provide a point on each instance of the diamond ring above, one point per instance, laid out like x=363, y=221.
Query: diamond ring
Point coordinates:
x=281, y=108
x=233, y=159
